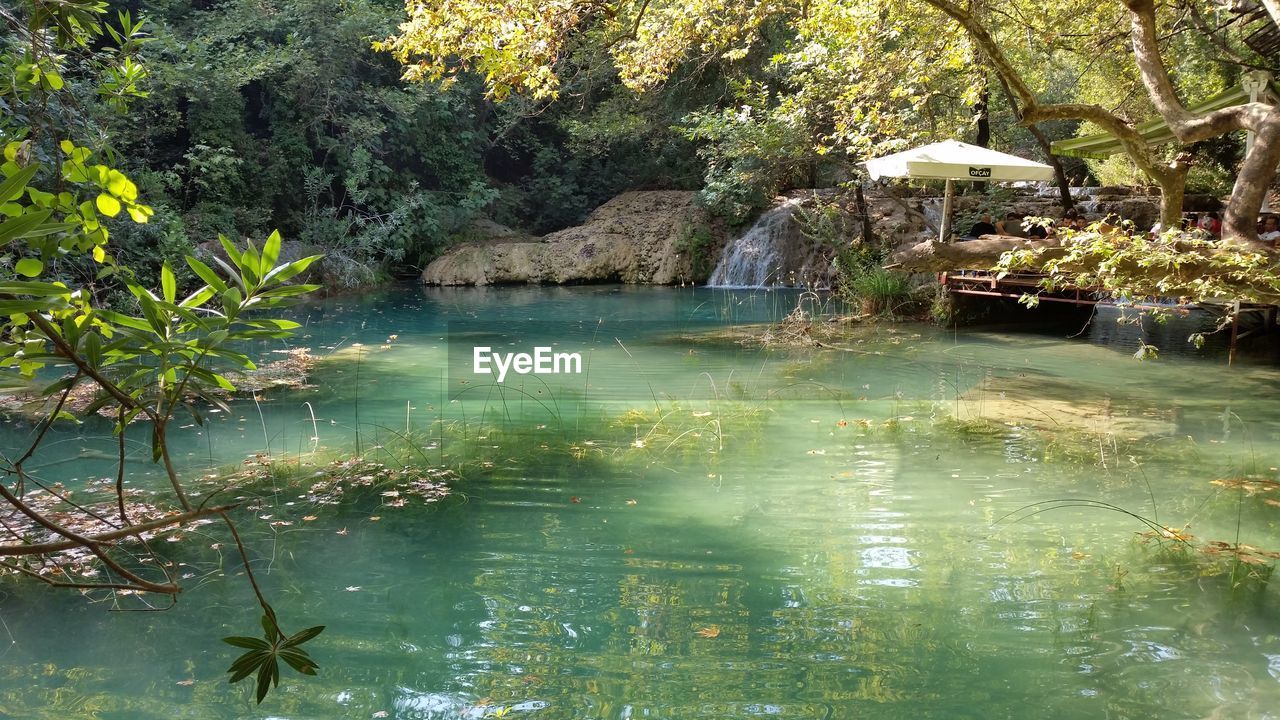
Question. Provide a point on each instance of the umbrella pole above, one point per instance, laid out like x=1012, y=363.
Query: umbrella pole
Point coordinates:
x=945, y=233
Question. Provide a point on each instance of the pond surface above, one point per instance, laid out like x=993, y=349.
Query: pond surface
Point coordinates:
x=696, y=529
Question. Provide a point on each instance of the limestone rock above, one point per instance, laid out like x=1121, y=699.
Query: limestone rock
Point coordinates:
x=633, y=238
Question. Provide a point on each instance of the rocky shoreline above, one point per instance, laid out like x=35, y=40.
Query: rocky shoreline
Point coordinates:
x=665, y=237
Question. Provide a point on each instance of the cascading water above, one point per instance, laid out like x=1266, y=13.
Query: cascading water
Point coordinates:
x=756, y=258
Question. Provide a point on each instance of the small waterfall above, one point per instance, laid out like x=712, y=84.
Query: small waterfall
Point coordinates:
x=756, y=258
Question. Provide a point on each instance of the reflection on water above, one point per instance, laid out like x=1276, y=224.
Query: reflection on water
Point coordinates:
x=789, y=563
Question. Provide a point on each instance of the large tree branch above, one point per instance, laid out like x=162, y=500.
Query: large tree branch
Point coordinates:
x=125, y=400
x=1033, y=112
x=980, y=254
x=1187, y=126
x=1261, y=159
x=88, y=543
x=1197, y=19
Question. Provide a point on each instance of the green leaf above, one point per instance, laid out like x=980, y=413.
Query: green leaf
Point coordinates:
x=140, y=213
x=231, y=300
x=298, y=660
x=29, y=267
x=269, y=627
x=156, y=446
x=198, y=298
x=168, y=284
x=155, y=317
x=285, y=272
x=206, y=273
x=22, y=226
x=303, y=635
x=251, y=643
x=270, y=251
x=93, y=349
x=33, y=287
x=246, y=664
x=268, y=671
x=125, y=320
x=19, y=307
x=288, y=291
x=230, y=249
x=11, y=188
x=107, y=205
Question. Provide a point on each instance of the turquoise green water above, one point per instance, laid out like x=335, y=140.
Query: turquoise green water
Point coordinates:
x=780, y=533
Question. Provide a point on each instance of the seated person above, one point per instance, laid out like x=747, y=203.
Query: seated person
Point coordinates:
x=1210, y=223
x=1072, y=220
x=983, y=226
x=1011, y=225
x=1270, y=230
x=1037, y=232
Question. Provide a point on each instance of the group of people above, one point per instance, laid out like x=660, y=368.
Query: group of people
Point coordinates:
x=1210, y=224
x=1016, y=224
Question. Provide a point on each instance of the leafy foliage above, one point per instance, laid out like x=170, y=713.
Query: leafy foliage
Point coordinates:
x=1186, y=267
x=263, y=655
x=752, y=151
x=166, y=351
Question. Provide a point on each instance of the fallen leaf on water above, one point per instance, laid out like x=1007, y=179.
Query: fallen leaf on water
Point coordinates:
x=343, y=531
x=710, y=631
x=308, y=518
x=842, y=423
x=187, y=683
x=353, y=588
x=575, y=499
x=631, y=502
x=1077, y=555
x=702, y=414
x=375, y=518
x=380, y=714
x=628, y=551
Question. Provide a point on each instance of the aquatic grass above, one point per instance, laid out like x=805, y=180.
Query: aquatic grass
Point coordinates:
x=1031, y=510
x=880, y=292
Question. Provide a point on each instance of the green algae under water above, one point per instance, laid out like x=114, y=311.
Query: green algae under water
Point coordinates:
x=768, y=532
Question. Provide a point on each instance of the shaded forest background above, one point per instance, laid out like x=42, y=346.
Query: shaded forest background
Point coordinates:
x=265, y=114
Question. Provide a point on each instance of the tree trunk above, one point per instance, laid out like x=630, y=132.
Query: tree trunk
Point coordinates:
x=1059, y=173
x=1259, y=166
x=982, y=137
x=1172, y=192
x=1273, y=9
x=1250, y=190
x=982, y=133
x=864, y=212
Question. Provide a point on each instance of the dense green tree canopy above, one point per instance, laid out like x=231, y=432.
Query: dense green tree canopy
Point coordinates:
x=865, y=72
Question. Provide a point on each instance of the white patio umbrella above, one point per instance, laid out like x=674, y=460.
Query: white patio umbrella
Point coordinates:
x=952, y=160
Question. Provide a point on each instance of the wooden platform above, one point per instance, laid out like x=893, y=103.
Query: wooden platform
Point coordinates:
x=1015, y=286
